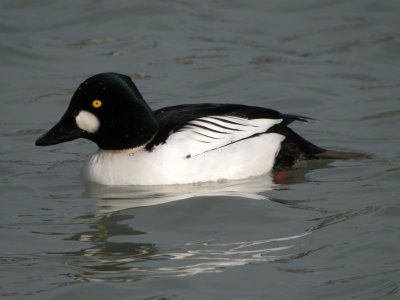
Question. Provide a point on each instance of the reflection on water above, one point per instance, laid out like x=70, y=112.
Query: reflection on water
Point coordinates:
x=111, y=198
x=104, y=257
x=117, y=253
x=106, y=260
x=213, y=257
x=123, y=261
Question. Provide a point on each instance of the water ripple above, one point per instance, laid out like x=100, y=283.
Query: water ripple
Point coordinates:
x=192, y=259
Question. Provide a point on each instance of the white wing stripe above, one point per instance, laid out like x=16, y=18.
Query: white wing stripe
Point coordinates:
x=230, y=123
x=206, y=134
x=232, y=120
x=208, y=126
x=221, y=125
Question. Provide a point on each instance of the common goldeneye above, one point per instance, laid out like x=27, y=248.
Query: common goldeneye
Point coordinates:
x=176, y=144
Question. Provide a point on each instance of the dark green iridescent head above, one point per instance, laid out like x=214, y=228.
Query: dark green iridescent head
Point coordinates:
x=107, y=109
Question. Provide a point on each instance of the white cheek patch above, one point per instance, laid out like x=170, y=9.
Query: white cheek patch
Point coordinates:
x=87, y=121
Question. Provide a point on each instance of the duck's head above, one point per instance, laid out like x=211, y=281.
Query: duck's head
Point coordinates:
x=107, y=109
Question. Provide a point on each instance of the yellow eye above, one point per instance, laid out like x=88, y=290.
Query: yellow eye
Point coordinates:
x=97, y=103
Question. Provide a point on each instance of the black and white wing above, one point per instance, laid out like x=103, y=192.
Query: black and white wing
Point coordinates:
x=206, y=127
x=213, y=132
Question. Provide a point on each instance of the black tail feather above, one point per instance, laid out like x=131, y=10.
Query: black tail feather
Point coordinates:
x=295, y=148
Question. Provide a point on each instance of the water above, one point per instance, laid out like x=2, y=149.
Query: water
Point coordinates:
x=330, y=232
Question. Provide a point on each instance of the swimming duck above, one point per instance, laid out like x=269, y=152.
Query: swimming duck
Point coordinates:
x=176, y=144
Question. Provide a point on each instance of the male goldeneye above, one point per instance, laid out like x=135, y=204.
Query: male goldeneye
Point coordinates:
x=176, y=144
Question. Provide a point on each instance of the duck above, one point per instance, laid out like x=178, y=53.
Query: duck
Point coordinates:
x=180, y=144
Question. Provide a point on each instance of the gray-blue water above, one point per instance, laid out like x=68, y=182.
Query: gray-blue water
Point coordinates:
x=332, y=231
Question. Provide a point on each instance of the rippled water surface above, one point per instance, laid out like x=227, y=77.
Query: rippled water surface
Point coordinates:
x=331, y=231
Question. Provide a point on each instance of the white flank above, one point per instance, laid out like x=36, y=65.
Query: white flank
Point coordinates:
x=202, y=151
x=87, y=121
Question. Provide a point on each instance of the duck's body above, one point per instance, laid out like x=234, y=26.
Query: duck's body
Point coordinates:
x=177, y=144
x=190, y=148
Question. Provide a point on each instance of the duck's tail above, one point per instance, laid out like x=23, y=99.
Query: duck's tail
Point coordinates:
x=335, y=154
x=295, y=148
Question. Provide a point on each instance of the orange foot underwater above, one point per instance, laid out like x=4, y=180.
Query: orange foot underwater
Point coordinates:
x=281, y=176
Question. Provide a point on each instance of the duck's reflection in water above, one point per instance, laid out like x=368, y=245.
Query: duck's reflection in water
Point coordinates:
x=113, y=261
x=112, y=198
x=118, y=252
x=104, y=259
